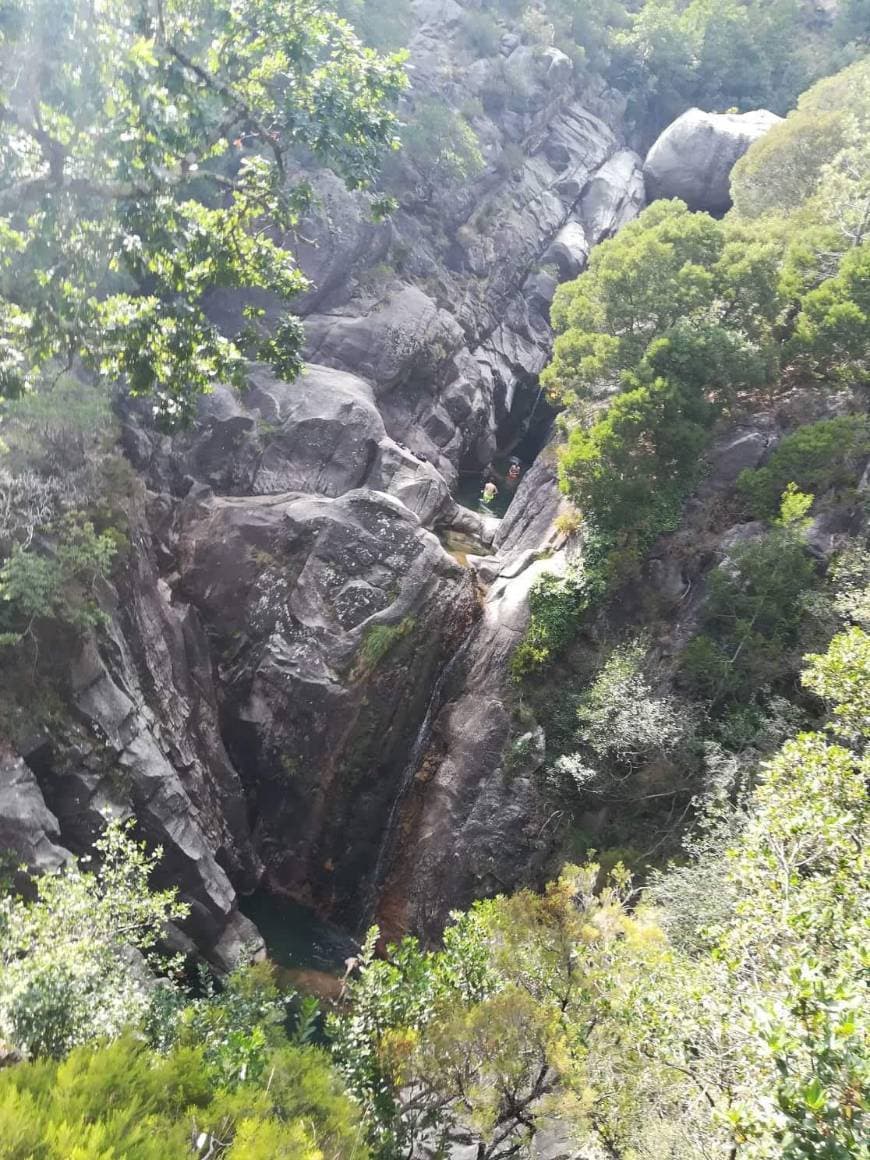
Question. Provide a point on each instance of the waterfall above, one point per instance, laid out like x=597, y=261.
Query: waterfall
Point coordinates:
x=409, y=772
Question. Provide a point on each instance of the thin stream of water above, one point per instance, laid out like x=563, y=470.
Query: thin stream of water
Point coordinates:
x=409, y=772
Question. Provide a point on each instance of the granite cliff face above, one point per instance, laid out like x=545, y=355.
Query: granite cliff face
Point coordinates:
x=298, y=684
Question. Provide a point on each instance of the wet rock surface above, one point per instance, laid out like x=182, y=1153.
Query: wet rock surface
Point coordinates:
x=331, y=619
x=141, y=738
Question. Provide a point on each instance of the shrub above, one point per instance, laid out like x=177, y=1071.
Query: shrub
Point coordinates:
x=568, y=523
x=839, y=677
x=440, y=145
x=753, y=614
x=830, y=332
x=122, y=1099
x=622, y=719
x=57, y=427
x=56, y=583
x=556, y=604
x=67, y=969
x=815, y=158
x=481, y=31
x=629, y=471
x=819, y=456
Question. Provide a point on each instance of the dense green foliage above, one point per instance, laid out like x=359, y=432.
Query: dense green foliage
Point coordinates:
x=727, y=1025
x=667, y=55
x=816, y=458
x=124, y=1099
x=718, y=55
x=753, y=613
x=830, y=330
x=675, y=319
x=743, y=1033
x=440, y=145
x=146, y=152
x=556, y=604
x=673, y=291
x=123, y=1061
x=815, y=163
x=66, y=973
x=56, y=585
x=681, y=320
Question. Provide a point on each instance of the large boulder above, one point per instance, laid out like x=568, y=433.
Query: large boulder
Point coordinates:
x=614, y=195
x=322, y=434
x=330, y=620
x=694, y=156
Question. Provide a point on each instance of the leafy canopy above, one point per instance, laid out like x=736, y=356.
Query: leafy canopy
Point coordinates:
x=745, y=1038
x=674, y=292
x=123, y=1099
x=754, y=611
x=818, y=456
x=815, y=163
x=721, y=54
x=67, y=970
x=147, y=155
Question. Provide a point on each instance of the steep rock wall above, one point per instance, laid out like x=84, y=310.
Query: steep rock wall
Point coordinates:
x=287, y=645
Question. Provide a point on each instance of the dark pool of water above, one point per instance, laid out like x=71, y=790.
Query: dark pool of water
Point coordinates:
x=296, y=937
x=471, y=484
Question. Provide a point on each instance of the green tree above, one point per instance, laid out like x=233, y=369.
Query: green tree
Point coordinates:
x=628, y=472
x=817, y=457
x=147, y=156
x=652, y=275
x=717, y=54
x=753, y=613
x=815, y=163
x=56, y=581
x=68, y=956
x=832, y=327
x=839, y=678
x=622, y=719
x=439, y=146
x=469, y=1042
x=745, y=1037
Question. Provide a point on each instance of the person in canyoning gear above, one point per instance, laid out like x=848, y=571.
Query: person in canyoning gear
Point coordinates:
x=490, y=491
x=514, y=471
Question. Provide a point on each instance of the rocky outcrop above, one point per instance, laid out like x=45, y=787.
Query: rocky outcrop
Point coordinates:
x=476, y=823
x=694, y=156
x=289, y=654
x=322, y=434
x=447, y=364
x=444, y=310
x=29, y=831
x=330, y=620
x=475, y=820
x=425, y=337
x=140, y=737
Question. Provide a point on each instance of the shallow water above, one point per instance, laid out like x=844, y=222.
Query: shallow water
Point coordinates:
x=460, y=546
x=470, y=489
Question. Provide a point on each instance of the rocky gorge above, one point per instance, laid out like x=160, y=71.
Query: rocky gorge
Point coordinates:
x=301, y=685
